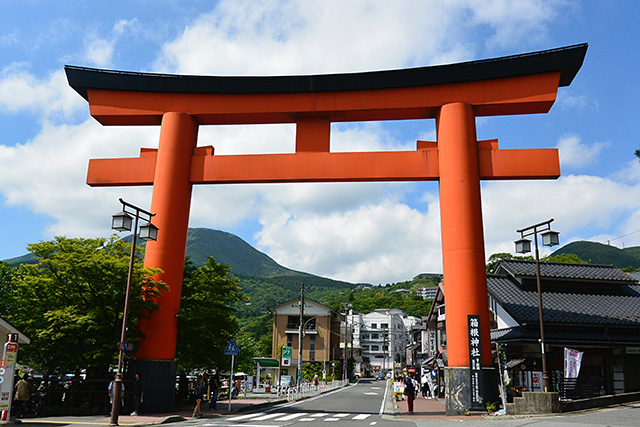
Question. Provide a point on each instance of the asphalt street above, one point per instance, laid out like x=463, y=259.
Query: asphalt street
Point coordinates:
x=362, y=404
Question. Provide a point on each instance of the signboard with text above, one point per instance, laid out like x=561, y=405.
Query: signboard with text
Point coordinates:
x=7, y=372
x=475, y=361
x=286, y=356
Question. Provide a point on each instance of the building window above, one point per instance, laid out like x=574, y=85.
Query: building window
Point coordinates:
x=374, y=336
x=365, y=336
x=289, y=340
x=384, y=326
x=374, y=348
x=374, y=326
x=312, y=348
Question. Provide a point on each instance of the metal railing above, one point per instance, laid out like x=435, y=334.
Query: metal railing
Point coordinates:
x=310, y=389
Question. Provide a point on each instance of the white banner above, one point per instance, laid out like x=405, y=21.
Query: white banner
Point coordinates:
x=572, y=361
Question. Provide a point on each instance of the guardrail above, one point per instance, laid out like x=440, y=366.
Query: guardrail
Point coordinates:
x=310, y=389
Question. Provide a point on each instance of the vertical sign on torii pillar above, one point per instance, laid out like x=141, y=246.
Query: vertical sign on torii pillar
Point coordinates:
x=453, y=94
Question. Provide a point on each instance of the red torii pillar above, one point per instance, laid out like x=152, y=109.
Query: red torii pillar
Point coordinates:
x=454, y=95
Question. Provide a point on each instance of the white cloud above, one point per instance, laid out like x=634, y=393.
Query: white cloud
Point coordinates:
x=515, y=22
x=578, y=203
x=576, y=154
x=375, y=242
x=99, y=52
x=288, y=37
x=52, y=97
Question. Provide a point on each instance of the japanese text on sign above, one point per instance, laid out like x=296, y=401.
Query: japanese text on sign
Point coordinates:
x=475, y=361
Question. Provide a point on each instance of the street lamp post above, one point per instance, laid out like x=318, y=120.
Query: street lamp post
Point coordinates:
x=549, y=238
x=122, y=222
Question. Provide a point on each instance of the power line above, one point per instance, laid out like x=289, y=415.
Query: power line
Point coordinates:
x=628, y=234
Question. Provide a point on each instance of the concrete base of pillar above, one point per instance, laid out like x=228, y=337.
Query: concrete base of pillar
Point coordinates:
x=159, y=383
x=534, y=403
x=458, y=389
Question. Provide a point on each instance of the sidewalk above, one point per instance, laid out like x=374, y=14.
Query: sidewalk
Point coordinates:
x=429, y=409
x=180, y=414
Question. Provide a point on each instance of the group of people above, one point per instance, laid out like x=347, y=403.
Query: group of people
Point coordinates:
x=137, y=393
x=427, y=385
x=200, y=389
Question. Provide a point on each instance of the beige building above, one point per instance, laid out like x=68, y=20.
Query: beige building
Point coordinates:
x=321, y=341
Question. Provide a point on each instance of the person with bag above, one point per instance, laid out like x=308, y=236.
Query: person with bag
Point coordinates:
x=409, y=392
x=198, y=392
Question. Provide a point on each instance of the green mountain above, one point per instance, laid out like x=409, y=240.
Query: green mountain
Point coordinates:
x=599, y=253
x=227, y=248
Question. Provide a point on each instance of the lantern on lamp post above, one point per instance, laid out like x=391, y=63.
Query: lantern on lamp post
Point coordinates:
x=523, y=245
x=122, y=222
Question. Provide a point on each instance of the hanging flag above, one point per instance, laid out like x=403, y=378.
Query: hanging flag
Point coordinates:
x=572, y=361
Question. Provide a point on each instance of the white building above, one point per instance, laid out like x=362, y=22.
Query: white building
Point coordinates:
x=382, y=336
x=427, y=293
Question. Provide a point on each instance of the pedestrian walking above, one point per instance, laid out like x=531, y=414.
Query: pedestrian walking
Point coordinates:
x=198, y=392
x=23, y=395
x=424, y=384
x=215, y=389
x=112, y=388
x=137, y=392
x=409, y=392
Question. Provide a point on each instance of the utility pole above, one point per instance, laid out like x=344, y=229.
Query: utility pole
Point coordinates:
x=351, y=331
x=300, y=334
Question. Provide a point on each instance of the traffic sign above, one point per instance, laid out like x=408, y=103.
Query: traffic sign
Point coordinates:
x=125, y=346
x=231, y=349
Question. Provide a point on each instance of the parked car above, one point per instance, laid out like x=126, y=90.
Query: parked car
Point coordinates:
x=380, y=375
x=287, y=381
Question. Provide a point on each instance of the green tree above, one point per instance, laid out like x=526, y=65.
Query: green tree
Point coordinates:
x=206, y=321
x=495, y=259
x=567, y=258
x=71, y=303
x=6, y=286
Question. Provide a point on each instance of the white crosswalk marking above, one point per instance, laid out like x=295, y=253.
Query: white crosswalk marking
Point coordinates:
x=361, y=416
x=291, y=417
x=244, y=417
x=266, y=417
x=300, y=416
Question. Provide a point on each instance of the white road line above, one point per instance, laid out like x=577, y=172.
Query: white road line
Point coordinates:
x=332, y=419
x=373, y=423
x=361, y=416
x=307, y=419
x=243, y=417
x=341, y=415
x=384, y=398
x=320, y=396
x=266, y=417
x=291, y=416
x=319, y=414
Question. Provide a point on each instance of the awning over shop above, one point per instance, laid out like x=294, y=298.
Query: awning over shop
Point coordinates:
x=266, y=362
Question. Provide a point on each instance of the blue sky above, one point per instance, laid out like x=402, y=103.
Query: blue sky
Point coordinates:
x=373, y=232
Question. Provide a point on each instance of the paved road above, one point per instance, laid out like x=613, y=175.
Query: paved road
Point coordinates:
x=362, y=404
x=620, y=416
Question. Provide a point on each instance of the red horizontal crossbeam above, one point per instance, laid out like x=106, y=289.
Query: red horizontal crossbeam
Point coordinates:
x=419, y=165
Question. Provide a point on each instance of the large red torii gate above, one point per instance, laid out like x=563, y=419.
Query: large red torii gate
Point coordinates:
x=452, y=94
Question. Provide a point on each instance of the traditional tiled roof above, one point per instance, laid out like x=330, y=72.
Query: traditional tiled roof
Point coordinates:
x=594, y=334
x=567, y=271
x=577, y=305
